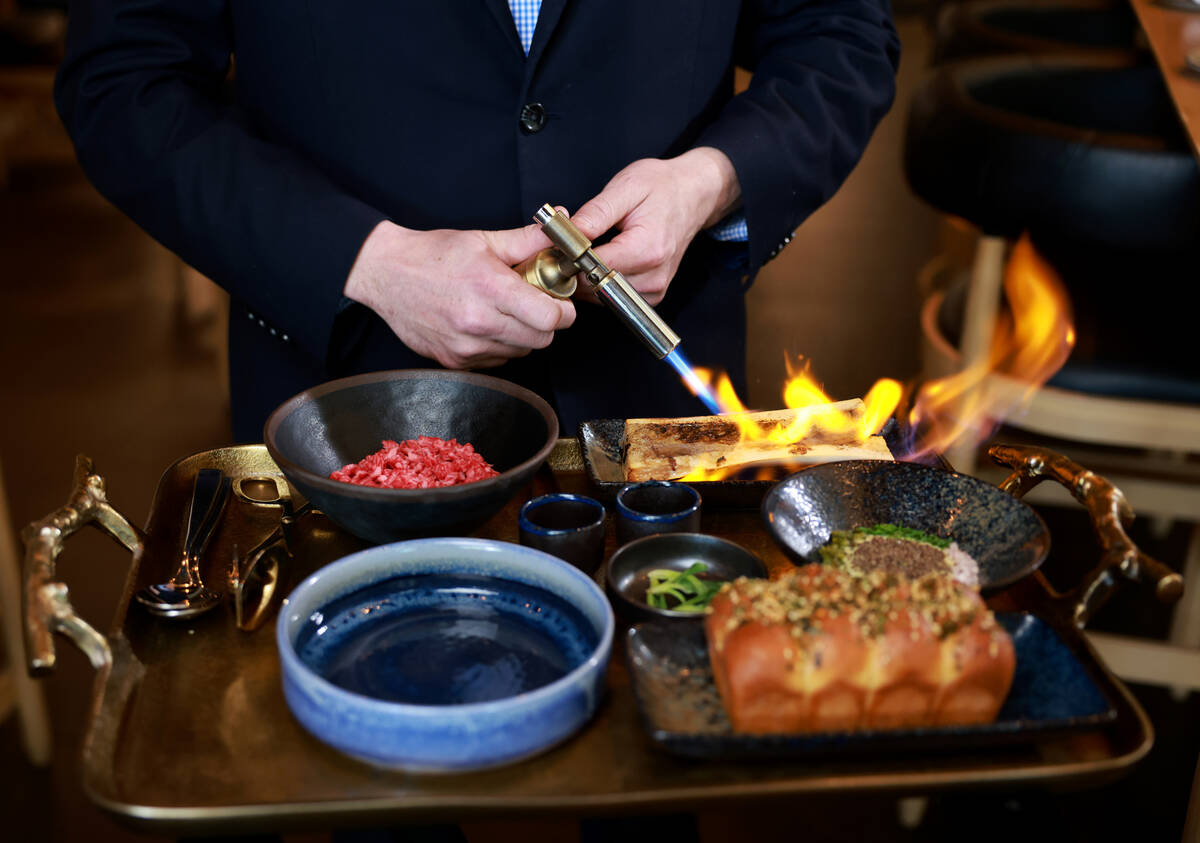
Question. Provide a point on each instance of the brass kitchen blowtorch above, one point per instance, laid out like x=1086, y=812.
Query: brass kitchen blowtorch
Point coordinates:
x=553, y=270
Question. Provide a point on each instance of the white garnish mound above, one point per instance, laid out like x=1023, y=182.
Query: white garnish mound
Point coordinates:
x=965, y=568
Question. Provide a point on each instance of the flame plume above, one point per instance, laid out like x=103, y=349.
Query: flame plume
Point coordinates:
x=1031, y=340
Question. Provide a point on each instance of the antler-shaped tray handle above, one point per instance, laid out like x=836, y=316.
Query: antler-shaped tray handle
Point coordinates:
x=48, y=606
x=1110, y=514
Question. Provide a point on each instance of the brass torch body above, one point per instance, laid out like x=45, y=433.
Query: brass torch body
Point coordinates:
x=554, y=270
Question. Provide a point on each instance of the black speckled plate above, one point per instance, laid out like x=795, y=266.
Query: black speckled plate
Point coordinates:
x=602, y=442
x=1052, y=692
x=1003, y=534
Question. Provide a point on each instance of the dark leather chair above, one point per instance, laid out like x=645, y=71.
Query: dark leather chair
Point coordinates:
x=1086, y=154
x=978, y=28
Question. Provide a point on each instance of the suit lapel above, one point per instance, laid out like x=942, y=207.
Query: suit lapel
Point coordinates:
x=548, y=18
x=504, y=19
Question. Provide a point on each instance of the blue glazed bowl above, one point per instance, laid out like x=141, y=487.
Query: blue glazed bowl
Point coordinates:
x=571, y=527
x=444, y=654
x=656, y=506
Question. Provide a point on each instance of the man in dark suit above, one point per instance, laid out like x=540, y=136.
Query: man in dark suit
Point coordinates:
x=362, y=183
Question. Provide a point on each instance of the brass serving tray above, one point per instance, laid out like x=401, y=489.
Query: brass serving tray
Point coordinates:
x=189, y=732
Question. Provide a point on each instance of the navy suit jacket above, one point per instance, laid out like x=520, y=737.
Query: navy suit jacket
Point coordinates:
x=343, y=113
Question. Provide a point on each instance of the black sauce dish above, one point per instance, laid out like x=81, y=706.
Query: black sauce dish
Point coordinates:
x=627, y=576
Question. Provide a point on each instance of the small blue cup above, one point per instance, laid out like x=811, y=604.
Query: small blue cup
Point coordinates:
x=570, y=527
x=656, y=506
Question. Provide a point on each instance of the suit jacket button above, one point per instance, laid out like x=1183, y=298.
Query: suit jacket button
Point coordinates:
x=533, y=118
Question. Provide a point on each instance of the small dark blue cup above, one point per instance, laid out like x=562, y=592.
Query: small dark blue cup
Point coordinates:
x=656, y=506
x=570, y=527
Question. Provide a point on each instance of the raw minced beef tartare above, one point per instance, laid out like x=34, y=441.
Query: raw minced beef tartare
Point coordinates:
x=423, y=463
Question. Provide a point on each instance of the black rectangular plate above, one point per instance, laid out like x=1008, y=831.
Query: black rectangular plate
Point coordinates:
x=1052, y=692
x=602, y=442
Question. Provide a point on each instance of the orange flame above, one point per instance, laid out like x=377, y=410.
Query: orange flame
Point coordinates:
x=815, y=412
x=1030, y=343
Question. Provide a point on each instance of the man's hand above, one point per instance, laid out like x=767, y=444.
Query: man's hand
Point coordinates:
x=659, y=206
x=453, y=296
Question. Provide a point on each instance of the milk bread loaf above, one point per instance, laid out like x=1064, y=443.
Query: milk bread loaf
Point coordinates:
x=820, y=649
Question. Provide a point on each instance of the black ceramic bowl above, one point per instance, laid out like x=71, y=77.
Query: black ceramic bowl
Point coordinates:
x=627, y=576
x=1003, y=534
x=329, y=426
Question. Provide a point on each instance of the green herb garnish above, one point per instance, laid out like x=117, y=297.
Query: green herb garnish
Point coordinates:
x=895, y=531
x=681, y=591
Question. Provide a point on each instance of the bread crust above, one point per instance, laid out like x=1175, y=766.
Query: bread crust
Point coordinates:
x=822, y=650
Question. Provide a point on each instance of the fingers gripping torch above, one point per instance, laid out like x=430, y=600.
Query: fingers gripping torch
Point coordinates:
x=553, y=270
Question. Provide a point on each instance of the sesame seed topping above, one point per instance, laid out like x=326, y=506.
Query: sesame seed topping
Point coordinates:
x=808, y=596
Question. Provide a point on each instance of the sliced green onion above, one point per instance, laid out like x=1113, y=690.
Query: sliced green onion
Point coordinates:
x=681, y=591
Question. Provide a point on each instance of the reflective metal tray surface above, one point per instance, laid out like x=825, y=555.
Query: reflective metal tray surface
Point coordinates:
x=189, y=732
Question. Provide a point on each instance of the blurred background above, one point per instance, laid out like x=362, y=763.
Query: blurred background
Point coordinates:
x=112, y=348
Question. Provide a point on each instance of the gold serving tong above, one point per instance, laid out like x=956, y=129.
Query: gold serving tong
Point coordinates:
x=254, y=581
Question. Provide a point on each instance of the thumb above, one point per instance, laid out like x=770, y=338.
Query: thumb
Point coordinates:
x=514, y=245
